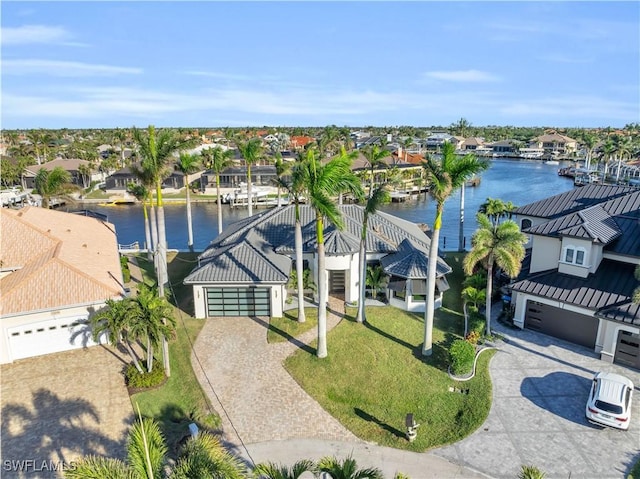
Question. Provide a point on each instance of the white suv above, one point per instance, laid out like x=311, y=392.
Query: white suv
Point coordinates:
x=609, y=401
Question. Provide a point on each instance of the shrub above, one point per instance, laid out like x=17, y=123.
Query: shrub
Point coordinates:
x=126, y=272
x=461, y=355
x=477, y=323
x=137, y=380
x=473, y=337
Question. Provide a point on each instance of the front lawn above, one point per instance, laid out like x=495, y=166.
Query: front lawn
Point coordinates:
x=375, y=375
x=288, y=327
x=180, y=400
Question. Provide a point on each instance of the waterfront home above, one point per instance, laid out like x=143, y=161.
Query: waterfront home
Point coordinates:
x=472, y=143
x=578, y=281
x=119, y=181
x=246, y=270
x=80, y=172
x=555, y=143
x=503, y=148
x=57, y=269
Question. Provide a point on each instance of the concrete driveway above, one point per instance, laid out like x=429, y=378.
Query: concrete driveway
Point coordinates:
x=58, y=407
x=540, y=388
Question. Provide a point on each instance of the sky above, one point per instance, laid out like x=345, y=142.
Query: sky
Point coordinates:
x=217, y=64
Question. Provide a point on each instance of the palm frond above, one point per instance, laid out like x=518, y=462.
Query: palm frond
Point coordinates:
x=96, y=467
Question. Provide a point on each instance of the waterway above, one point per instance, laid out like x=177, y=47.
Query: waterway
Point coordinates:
x=518, y=181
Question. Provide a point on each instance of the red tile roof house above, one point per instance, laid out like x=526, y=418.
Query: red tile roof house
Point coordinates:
x=578, y=282
x=56, y=269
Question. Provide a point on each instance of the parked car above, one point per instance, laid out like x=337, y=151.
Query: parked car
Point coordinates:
x=610, y=400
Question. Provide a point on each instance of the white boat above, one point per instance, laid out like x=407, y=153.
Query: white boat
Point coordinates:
x=552, y=162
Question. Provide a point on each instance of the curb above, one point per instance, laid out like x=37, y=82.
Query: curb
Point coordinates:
x=473, y=369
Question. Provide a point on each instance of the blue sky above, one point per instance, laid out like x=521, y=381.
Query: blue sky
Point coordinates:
x=214, y=64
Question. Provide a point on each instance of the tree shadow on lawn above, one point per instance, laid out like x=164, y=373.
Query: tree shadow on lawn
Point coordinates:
x=296, y=342
x=369, y=418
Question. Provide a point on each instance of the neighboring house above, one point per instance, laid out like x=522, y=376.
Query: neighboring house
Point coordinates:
x=245, y=271
x=503, y=147
x=119, y=181
x=472, y=143
x=56, y=270
x=554, y=142
x=236, y=177
x=73, y=166
x=584, y=247
x=299, y=142
x=435, y=141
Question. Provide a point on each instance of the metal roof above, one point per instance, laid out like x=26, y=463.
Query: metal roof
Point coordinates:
x=612, y=285
x=573, y=201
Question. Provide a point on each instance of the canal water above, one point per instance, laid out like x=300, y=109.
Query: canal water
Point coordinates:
x=518, y=181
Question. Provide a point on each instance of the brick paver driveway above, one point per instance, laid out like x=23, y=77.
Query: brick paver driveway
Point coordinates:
x=58, y=407
x=540, y=388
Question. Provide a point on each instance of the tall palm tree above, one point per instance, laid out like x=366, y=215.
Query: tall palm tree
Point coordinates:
x=282, y=169
x=217, y=160
x=152, y=319
x=375, y=156
x=497, y=209
x=500, y=244
x=156, y=150
x=378, y=197
x=295, y=188
x=347, y=469
x=271, y=470
x=445, y=176
x=251, y=151
x=608, y=150
x=589, y=140
x=188, y=164
x=142, y=194
x=202, y=457
x=114, y=321
x=322, y=183
x=50, y=183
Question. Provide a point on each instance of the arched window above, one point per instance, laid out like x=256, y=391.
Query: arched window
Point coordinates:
x=526, y=223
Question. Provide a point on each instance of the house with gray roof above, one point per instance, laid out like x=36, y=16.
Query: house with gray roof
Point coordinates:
x=245, y=271
x=584, y=246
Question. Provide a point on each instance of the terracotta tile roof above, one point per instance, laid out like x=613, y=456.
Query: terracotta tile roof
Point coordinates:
x=300, y=141
x=51, y=259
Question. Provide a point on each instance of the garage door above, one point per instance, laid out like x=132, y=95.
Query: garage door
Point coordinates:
x=45, y=337
x=628, y=349
x=238, y=302
x=560, y=323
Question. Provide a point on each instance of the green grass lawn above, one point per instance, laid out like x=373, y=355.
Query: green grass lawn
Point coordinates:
x=375, y=375
x=287, y=327
x=180, y=400
x=452, y=298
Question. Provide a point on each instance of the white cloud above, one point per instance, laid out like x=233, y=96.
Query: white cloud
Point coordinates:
x=29, y=34
x=463, y=76
x=577, y=107
x=220, y=75
x=63, y=68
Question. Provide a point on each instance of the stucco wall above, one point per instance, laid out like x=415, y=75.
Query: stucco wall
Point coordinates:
x=608, y=336
x=545, y=253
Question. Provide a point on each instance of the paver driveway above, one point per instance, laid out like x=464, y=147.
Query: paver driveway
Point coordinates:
x=540, y=388
x=58, y=407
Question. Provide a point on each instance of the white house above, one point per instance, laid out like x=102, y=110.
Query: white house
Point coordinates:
x=245, y=271
x=56, y=270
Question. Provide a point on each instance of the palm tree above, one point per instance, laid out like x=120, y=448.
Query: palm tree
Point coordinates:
x=202, y=457
x=378, y=197
x=445, y=176
x=217, y=160
x=156, y=150
x=188, y=164
x=375, y=156
x=322, y=182
x=282, y=169
x=114, y=320
x=251, y=151
x=473, y=296
x=142, y=194
x=496, y=209
x=347, y=469
x=270, y=470
x=636, y=293
x=295, y=188
x=589, y=141
x=500, y=244
x=461, y=127
x=50, y=183
x=608, y=150
x=152, y=319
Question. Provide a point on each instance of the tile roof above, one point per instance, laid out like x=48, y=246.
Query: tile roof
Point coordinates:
x=272, y=234
x=611, y=286
x=410, y=262
x=51, y=259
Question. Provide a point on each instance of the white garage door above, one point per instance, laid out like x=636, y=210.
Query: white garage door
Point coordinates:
x=52, y=336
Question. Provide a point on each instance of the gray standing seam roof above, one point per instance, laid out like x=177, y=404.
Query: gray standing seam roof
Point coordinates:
x=593, y=224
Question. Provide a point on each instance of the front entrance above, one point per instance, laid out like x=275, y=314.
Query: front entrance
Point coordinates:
x=628, y=349
x=560, y=323
x=336, y=282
